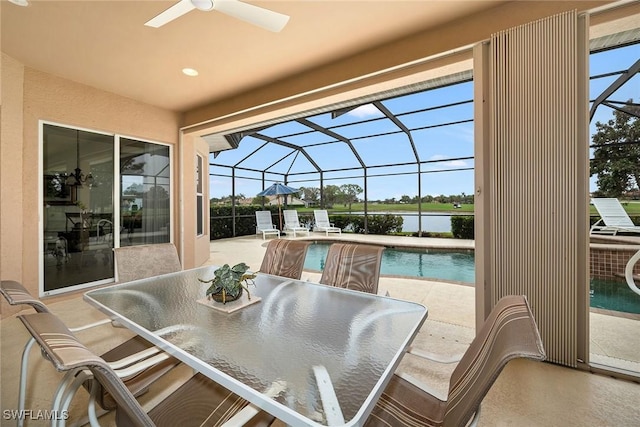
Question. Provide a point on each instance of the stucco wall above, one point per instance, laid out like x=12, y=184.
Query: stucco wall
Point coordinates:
x=29, y=96
x=196, y=248
x=11, y=172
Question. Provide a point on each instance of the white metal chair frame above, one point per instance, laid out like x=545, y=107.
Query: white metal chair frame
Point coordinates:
x=613, y=218
x=292, y=223
x=74, y=377
x=265, y=225
x=322, y=223
x=67, y=388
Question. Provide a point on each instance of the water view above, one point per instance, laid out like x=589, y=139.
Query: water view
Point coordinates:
x=431, y=221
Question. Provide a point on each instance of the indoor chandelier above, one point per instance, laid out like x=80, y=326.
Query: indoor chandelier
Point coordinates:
x=77, y=178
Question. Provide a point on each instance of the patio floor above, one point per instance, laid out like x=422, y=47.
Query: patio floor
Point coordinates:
x=526, y=394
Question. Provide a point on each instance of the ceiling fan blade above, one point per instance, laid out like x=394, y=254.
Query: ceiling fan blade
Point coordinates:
x=267, y=19
x=175, y=11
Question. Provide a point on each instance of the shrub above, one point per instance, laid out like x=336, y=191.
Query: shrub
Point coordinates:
x=385, y=224
x=221, y=223
x=377, y=224
x=347, y=222
x=462, y=226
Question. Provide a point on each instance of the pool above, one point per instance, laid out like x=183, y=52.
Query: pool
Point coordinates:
x=438, y=264
x=459, y=266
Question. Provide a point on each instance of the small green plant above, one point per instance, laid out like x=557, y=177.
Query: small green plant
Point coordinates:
x=229, y=282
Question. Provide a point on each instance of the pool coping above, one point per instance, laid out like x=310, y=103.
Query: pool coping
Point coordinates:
x=397, y=241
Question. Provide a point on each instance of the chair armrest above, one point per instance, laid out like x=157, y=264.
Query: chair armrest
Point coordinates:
x=132, y=370
x=442, y=359
x=90, y=325
x=134, y=358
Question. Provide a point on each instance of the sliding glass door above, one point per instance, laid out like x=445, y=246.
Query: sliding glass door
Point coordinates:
x=86, y=178
x=77, y=207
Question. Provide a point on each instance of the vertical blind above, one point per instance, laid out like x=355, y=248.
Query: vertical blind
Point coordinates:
x=537, y=158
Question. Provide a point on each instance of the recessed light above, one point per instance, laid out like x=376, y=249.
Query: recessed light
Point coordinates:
x=22, y=3
x=190, y=72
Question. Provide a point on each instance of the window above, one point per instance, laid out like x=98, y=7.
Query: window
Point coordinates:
x=145, y=204
x=199, y=197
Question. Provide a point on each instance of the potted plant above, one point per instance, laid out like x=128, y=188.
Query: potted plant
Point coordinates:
x=229, y=282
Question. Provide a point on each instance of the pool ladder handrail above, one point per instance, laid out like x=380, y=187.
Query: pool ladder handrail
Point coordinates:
x=628, y=272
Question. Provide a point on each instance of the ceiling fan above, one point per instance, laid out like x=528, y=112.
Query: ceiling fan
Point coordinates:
x=267, y=19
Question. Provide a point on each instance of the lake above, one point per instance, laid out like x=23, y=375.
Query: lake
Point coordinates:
x=431, y=221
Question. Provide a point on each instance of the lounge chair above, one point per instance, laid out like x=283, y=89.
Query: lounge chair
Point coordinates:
x=291, y=222
x=509, y=332
x=322, y=222
x=199, y=401
x=613, y=218
x=353, y=266
x=264, y=224
x=285, y=258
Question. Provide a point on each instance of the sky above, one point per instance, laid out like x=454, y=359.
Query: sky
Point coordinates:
x=451, y=146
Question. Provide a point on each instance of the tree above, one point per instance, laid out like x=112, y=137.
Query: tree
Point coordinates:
x=331, y=194
x=350, y=193
x=134, y=189
x=405, y=199
x=310, y=194
x=259, y=200
x=616, y=157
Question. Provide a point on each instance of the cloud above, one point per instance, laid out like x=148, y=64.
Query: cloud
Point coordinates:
x=458, y=163
x=453, y=163
x=363, y=111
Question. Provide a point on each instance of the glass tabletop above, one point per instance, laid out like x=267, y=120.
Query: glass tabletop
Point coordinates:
x=357, y=338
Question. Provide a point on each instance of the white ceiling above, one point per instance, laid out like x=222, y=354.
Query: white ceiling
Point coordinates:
x=104, y=44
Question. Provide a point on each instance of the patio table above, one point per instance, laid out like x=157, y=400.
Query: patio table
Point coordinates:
x=318, y=343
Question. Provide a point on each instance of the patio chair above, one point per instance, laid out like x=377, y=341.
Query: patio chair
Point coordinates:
x=291, y=222
x=196, y=401
x=613, y=218
x=285, y=258
x=133, y=350
x=509, y=332
x=322, y=222
x=264, y=224
x=142, y=261
x=353, y=266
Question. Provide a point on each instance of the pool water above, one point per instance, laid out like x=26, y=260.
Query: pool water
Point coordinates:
x=614, y=295
x=455, y=266
x=459, y=266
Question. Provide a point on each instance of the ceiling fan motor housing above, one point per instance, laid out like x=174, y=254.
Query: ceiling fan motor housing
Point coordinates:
x=202, y=4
